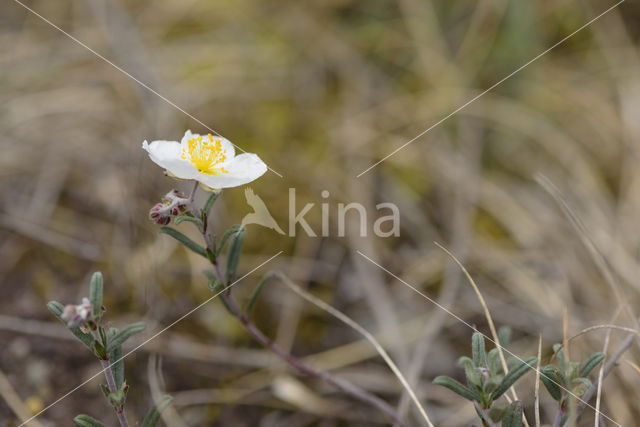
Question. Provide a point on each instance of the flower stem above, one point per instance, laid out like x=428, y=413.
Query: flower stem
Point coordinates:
x=111, y=384
x=259, y=336
x=342, y=385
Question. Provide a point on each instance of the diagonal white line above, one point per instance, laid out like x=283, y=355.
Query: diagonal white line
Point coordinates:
x=181, y=318
x=474, y=329
x=126, y=73
x=499, y=82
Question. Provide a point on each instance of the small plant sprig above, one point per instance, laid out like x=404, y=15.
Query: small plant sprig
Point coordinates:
x=85, y=322
x=567, y=376
x=220, y=281
x=486, y=382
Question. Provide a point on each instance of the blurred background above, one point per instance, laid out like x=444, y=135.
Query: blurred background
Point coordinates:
x=320, y=90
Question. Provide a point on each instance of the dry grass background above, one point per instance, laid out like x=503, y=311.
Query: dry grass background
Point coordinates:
x=320, y=90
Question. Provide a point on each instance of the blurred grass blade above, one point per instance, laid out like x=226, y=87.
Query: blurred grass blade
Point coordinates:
x=121, y=336
x=233, y=229
x=87, y=421
x=115, y=358
x=183, y=218
x=588, y=365
x=154, y=413
x=513, y=376
x=210, y=201
x=256, y=293
x=184, y=240
x=95, y=294
x=235, y=250
x=478, y=350
x=56, y=308
x=457, y=387
x=513, y=415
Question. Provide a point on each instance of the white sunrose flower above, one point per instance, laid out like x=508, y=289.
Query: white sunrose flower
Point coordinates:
x=207, y=159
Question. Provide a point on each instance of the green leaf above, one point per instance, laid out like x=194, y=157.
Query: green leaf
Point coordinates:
x=256, y=292
x=99, y=350
x=513, y=376
x=591, y=362
x=121, y=336
x=95, y=294
x=490, y=384
x=496, y=412
x=154, y=413
x=504, y=336
x=550, y=381
x=559, y=352
x=513, y=415
x=184, y=240
x=87, y=421
x=233, y=229
x=478, y=349
x=117, y=398
x=182, y=218
x=235, y=249
x=56, y=308
x=473, y=377
x=457, y=387
x=115, y=359
x=584, y=382
x=493, y=362
x=210, y=201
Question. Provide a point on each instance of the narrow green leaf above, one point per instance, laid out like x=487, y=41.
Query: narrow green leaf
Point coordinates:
x=591, y=362
x=513, y=375
x=121, y=336
x=457, y=387
x=95, y=294
x=184, y=240
x=548, y=378
x=559, y=352
x=154, y=413
x=115, y=359
x=513, y=415
x=233, y=229
x=182, y=218
x=235, y=250
x=56, y=308
x=473, y=377
x=256, y=292
x=493, y=362
x=210, y=201
x=504, y=336
x=478, y=350
x=87, y=421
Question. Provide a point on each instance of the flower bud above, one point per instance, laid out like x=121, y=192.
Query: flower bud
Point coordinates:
x=76, y=315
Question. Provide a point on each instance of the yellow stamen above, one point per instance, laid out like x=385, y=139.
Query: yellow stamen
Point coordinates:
x=205, y=154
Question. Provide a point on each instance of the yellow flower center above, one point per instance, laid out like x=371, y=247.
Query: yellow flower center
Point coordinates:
x=205, y=154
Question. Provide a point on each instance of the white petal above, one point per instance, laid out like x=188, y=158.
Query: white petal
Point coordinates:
x=243, y=169
x=166, y=154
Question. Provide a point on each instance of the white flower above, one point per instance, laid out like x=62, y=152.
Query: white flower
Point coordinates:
x=207, y=159
x=76, y=315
